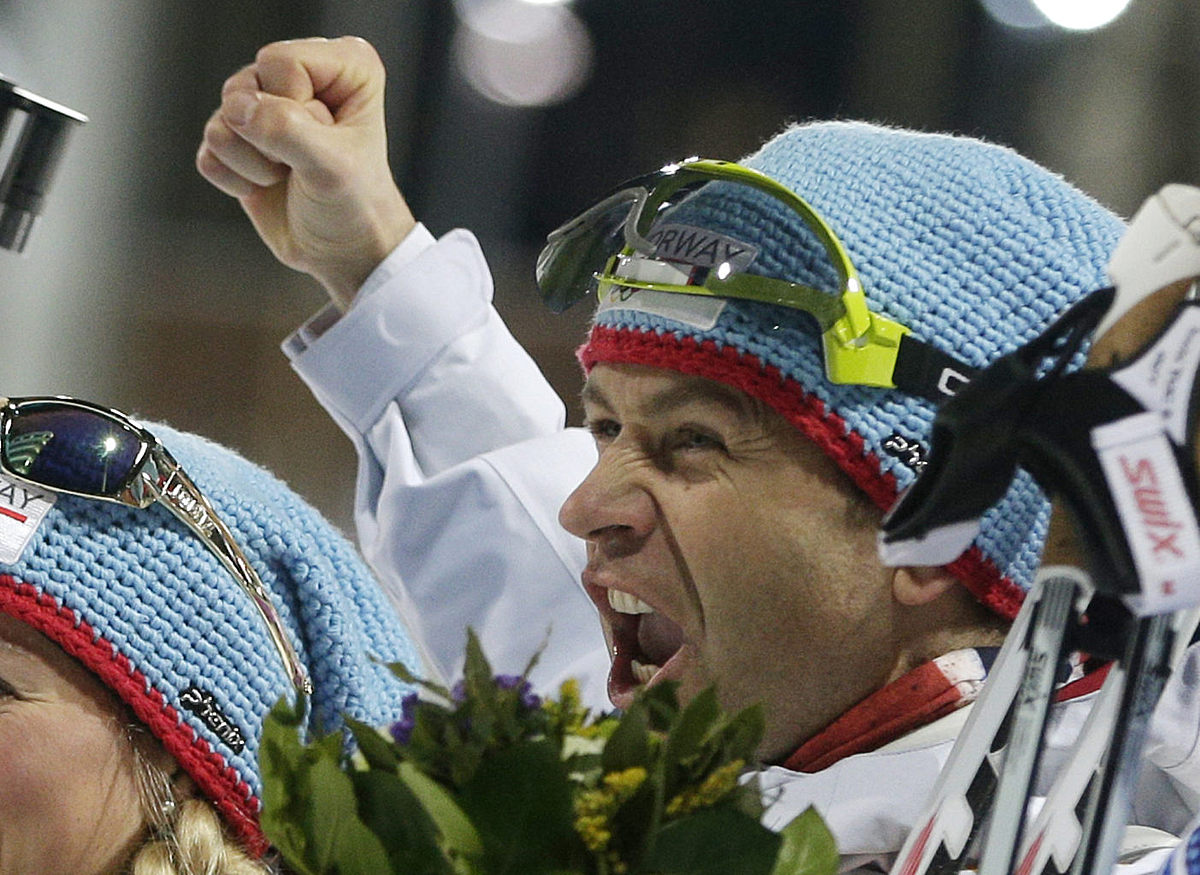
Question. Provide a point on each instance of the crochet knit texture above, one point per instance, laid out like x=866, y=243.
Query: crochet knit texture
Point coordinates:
x=143, y=603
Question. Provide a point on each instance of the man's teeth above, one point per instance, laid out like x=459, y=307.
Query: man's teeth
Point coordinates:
x=624, y=603
x=643, y=673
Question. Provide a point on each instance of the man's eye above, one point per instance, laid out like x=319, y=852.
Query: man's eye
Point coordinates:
x=603, y=429
x=694, y=439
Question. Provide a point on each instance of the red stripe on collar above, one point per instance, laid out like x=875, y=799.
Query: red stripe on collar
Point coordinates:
x=919, y=697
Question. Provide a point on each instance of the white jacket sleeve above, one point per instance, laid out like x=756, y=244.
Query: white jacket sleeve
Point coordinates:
x=463, y=464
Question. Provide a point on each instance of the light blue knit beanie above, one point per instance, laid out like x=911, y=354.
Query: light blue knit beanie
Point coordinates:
x=973, y=247
x=140, y=600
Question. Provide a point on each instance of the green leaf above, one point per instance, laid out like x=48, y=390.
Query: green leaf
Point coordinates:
x=661, y=702
x=808, y=847
x=693, y=726
x=340, y=842
x=458, y=833
x=537, y=655
x=285, y=765
x=477, y=671
x=520, y=801
x=392, y=811
x=747, y=797
x=744, y=732
x=378, y=751
x=713, y=842
x=629, y=745
x=401, y=671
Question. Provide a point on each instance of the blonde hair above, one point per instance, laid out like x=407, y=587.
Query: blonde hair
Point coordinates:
x=184, y=836
x=195, y=844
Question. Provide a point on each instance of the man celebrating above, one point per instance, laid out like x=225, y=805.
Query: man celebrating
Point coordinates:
x=770, y=346
x=723, y=421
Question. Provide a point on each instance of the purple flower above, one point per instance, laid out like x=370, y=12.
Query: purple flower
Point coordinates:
x=504, y=682
x=402, y=728
x=528, y=697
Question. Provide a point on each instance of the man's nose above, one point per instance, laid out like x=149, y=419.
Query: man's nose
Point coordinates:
x=611, y=508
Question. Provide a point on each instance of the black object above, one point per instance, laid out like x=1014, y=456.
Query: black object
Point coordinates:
x=34, y=158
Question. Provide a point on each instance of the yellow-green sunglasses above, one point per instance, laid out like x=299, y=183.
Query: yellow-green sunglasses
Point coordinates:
x=602, y=247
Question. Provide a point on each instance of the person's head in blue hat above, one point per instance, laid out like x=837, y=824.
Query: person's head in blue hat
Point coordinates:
x=770, y=346
x=135, y=667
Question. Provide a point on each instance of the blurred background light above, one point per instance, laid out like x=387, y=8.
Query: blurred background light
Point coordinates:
x=524, y=53
x=1081, y=14
x=1020, y=14
x=1077, y=15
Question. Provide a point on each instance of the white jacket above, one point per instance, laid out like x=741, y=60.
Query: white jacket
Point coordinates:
x=463, y=464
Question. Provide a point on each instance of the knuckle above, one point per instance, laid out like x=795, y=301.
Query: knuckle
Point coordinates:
x=363, y=51
x=217, y=135
x=206, y=163
x=209, y=165
x=243, y=79
x=272, y=119
x=271, y=51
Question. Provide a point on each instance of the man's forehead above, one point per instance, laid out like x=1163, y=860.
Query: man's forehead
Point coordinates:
x=658, y=390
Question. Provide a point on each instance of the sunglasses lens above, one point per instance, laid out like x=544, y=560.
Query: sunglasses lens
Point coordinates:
x=574, y=253
x=73, y=450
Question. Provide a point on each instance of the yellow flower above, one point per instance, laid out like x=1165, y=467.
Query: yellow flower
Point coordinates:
x=594, y=831
x=570, y=705
x=593, y=802
x=625, y=783
x=711, y=790
x=594, y=808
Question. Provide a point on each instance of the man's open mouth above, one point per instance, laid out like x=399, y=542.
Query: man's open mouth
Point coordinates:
x=644, y=644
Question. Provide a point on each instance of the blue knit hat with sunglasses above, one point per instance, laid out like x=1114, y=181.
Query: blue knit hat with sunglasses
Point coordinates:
x=140, y=600
x=971, y=247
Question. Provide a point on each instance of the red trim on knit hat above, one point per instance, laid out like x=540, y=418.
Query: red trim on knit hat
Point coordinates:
x=741, y=370
x=211, y=772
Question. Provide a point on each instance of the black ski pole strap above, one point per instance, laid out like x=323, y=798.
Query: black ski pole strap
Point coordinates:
x=1149, y=465
x=1116, y=444
x=974, y=441
x=1055, y=445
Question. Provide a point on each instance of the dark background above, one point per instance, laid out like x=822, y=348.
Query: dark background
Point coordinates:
x=146, y=289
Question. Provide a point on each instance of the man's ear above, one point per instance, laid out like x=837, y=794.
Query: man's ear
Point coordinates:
x=916, y=585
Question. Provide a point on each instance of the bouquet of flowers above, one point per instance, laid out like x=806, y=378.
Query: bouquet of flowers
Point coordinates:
x=489, y=778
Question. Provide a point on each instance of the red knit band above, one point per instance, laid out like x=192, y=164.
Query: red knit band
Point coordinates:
x=212, y=774
x=703, y=358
